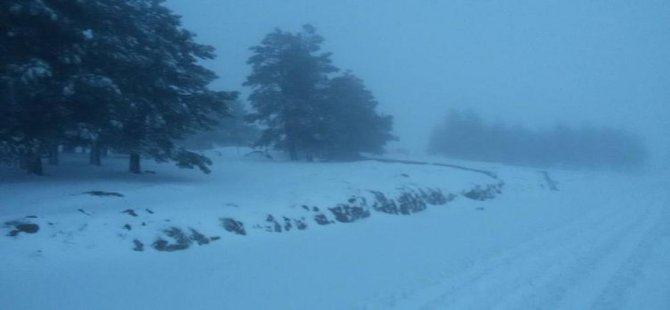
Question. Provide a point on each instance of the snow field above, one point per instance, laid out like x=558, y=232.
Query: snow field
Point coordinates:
x=601, y=241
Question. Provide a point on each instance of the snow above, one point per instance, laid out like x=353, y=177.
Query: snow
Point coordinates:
x=34, y=71
x=88, y=34
x=601, y=241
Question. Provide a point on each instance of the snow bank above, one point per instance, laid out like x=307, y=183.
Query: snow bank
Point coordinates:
x=455, y=251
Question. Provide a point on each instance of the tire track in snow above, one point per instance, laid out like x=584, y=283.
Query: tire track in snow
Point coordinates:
x=543, y=272
x=581, y=274
x=616, y=292
x=456, y=285
x=541, y=278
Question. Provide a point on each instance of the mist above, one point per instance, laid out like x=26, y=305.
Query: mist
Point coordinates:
x=352, y=154
x=533, y=63
x=464, y=135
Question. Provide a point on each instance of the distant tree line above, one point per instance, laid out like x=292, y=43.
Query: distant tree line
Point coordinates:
x=123, y=75
x=464, y=135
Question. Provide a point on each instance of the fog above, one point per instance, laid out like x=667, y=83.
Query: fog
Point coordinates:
x=334, y=154
x=530, y=63
x=464, y=135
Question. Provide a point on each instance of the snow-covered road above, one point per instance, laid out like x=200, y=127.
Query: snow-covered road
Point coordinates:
x=615, y=256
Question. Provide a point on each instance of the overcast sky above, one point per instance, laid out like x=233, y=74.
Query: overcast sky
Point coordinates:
x=606, y=62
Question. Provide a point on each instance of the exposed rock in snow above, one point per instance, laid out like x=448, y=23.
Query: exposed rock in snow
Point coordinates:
x=22, y=227
x=231, y=225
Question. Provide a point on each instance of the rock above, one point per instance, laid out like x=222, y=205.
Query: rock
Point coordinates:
x=407, y=203
x=383, y=204
x=274, y=225
x=139, y=246
x=231, y=225
x=484, y=193
x=435, y=197
x=104, y=194
x=180, y=241
x=356, y=209
x=410, y=202
x=130, y=212
x=161, y=245
x=321, y=219
x=83, y=212
x=300, y=224
x=22, y=227
x=198, y=238
x=287, y=224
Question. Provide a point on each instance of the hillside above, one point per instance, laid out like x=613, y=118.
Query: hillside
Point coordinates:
x=263, y=233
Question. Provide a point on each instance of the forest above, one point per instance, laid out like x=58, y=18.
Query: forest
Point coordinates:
x=126, y=77
x=464, y=135
x=320, y=154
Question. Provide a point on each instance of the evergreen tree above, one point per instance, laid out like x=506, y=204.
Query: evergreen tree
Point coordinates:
x=113, y=73
x=38, y=53
x=289, y=74
x=153, y=61
x=351, y=124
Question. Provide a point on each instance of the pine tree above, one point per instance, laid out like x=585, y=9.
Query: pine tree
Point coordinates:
x=113, y=73
x=38, y=54
x=289, y=73
x=153, y=62
x=351, y=124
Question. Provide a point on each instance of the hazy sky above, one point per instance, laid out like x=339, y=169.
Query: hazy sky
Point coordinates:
x=521, y=61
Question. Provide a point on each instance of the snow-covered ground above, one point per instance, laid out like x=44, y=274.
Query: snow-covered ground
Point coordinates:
x=601, y=241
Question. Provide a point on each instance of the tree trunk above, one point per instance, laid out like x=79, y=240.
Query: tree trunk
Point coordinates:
x=290, y=140
x=12, y=93
x=54, y=155
x=292, y=151
x=69, y=148
x=33, y=164
x=23, y=163
x=95, y=154
x=134, y=166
